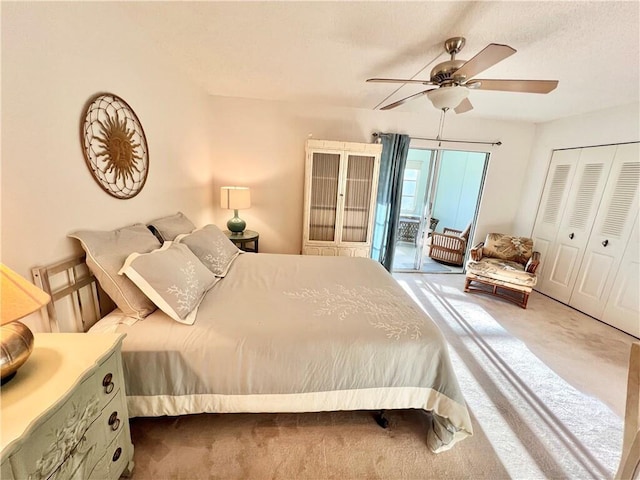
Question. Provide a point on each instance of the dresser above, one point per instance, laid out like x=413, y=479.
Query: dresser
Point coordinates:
x=64, y=414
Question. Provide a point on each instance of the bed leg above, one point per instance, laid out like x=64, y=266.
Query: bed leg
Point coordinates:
x=381, y=419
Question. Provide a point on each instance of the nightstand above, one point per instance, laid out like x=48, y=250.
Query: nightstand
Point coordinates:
x=64, y=414
x=242, y=239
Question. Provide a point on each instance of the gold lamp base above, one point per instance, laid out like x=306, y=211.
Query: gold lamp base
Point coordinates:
x=16, y=344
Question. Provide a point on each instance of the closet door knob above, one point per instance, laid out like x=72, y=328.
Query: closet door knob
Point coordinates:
x=571, y=235
x=605, y=243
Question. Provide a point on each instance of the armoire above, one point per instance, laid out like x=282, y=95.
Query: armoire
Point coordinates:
x=587, y=232
x=340, y=189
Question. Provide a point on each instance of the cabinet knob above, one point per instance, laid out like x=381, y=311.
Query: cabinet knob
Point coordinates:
x=116, y=454
x=107, y=383
x=114, y=421
x=571, y=235
x=605, y=243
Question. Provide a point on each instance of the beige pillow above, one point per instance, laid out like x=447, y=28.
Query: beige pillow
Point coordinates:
x=166, y=229
x=212, y=247
x=173, y=278
x=106, y=252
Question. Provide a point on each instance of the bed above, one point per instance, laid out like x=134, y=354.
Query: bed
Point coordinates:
x=289, y=333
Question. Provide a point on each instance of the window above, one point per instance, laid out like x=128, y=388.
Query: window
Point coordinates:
x=409, y=189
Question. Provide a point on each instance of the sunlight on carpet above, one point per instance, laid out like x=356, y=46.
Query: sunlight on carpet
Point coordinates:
x=539, y=425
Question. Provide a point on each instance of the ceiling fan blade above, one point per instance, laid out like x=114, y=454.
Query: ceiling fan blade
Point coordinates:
x=488, y=57
x=525, y=86
x=400, y=102
x=465, y=106
x=399, y=80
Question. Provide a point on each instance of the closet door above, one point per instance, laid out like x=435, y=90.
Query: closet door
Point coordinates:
x=357, y=198
x=586, y=189
x=323, y=197
x=623, y=306
x=552, y=204
x=611, y=231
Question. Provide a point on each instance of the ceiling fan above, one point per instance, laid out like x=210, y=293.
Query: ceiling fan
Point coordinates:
x=453, y=78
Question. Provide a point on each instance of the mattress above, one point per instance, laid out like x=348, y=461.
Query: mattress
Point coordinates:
x=289, y=333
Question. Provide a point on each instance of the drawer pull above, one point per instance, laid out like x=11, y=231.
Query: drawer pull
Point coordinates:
x=116, y=454
x=107, y=383
x=114, y=421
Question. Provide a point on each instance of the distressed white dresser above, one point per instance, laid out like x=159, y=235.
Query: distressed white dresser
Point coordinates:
x=64, y=414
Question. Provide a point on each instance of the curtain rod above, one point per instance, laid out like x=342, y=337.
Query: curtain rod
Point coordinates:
x=498, y=143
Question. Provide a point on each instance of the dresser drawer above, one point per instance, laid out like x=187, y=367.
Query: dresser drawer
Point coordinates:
x=59, y=436
x=116, y=459
x=106, y=380
x=113, y=418
x=5, y=471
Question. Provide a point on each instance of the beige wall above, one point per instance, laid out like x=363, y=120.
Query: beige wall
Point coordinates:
x=55, y=56
x=260, y=144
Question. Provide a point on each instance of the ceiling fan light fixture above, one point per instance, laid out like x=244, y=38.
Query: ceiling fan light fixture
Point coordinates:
x=445, y=98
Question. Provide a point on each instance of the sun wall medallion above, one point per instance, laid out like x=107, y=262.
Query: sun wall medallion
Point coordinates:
x=114, y=145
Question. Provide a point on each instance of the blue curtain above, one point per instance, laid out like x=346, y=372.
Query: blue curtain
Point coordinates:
x=395, y=148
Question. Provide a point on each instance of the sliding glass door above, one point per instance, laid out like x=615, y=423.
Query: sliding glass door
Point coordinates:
x=441, y=189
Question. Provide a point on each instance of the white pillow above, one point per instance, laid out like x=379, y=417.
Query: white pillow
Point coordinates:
x=212, y=247
x=173, y=278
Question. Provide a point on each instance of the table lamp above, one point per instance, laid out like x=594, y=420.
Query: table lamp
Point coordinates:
x=19, y=298
x=235, y=198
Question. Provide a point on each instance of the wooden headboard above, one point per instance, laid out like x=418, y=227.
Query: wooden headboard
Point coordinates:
x=77, y=301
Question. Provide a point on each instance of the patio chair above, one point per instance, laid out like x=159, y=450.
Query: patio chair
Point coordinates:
x=449, y=246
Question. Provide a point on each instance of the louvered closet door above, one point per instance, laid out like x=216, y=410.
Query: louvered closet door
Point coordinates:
x=611, y=231
x=323, y=196
x=565, y=256
x=622, y=309
x=357, y=198
x=552, y=204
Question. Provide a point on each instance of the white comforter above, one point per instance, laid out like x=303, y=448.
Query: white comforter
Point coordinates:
x=288, y=333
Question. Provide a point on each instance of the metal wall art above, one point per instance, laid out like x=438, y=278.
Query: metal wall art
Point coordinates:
x=114, y=145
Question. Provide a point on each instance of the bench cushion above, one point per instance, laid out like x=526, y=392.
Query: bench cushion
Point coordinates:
x=506, y=271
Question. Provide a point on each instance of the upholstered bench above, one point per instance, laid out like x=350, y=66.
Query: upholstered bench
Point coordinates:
x=504, y=266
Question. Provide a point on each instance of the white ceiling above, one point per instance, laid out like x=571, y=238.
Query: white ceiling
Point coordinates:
x=322, y=52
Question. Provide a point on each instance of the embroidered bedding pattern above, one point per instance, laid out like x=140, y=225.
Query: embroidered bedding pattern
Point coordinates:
x=379, y=305
x=212, y=247
x=187, y=294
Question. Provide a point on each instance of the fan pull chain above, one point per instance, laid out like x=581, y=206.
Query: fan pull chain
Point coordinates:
x=441, y=126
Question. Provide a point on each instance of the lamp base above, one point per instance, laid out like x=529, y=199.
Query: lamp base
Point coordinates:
x=236, y=224
x=16, y=344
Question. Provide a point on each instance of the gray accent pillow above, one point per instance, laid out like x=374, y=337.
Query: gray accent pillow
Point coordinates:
x=106, y=252
x=173, y=278
x=212, y=247
x=166, y=229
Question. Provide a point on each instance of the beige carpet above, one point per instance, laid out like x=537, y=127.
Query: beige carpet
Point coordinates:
x=545, y=387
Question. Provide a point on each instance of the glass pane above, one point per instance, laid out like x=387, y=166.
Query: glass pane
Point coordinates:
x=355, y=224
x=411, y=174
x=324, y=196
x=409, y=188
